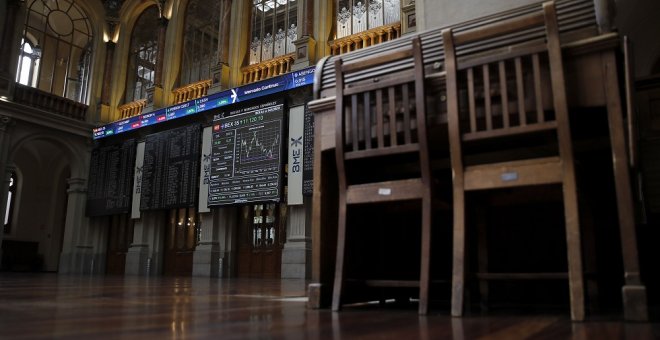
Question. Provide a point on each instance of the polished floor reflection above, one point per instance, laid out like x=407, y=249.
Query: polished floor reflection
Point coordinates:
x=60, y=306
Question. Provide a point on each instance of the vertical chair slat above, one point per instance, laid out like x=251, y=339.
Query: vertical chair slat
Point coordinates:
x=473, y=114
x=504, y=95
x=521, y=92
x=537, y=87
x=392, y=111
x=406, y=112
x=367, y=120
x=487, y=98
x=354, y=121
x=379, y=117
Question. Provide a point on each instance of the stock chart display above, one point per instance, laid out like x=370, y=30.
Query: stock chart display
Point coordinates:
x=246, y=155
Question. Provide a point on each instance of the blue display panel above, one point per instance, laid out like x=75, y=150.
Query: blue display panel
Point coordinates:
x=277, y=84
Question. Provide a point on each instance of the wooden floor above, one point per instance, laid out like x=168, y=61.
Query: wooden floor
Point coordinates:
x=60, y=306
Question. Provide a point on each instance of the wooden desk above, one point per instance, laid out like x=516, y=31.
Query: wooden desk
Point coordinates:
x=589, y=62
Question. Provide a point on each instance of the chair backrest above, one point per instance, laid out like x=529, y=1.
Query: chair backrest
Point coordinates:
x=381, y=116
x=506, y=91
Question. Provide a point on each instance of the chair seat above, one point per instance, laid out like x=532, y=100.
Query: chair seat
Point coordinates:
x=536, y=171
x=400, y=190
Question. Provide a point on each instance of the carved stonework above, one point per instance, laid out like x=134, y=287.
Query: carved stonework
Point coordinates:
x=409, y=22
x=5, y=122
x=305, y=56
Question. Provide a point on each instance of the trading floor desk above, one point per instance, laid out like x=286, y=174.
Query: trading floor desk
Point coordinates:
x=594, y=78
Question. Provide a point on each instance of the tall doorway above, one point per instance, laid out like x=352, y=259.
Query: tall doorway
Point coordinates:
x=261, y=236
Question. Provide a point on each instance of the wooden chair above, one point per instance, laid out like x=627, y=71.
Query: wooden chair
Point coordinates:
x=498, y=88
x=382, y=119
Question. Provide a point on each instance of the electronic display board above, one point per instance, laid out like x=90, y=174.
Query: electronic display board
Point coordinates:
x=170, y=169
x=308, y=153
x=246, y=155
x=111, y=179
x=266, y=87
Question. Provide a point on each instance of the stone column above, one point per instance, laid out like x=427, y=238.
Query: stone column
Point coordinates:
x=144, y=256
x=5, y=134
x=107, y=82
x=305, y=45
x=226, y=220
x=220, y=72
x=9, y=44
x=207, y=258
x=4, y=189
x=297, y=252
x=77, y=257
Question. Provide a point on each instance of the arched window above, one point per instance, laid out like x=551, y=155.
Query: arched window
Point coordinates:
x=28, y=64
x=274, y=29
x=142, y=56
x=11, y=197
x=55, y=53
x=355, y=16
x=200, y=40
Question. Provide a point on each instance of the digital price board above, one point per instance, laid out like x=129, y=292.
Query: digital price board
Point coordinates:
x=246, y=155
x=273, y=85
x=170, y=169
x=111, y=179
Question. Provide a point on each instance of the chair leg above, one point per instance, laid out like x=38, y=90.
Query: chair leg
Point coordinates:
x=482, y=258
x=575, y=272
x=341, y=248
x=426, y=255
x=458, y=267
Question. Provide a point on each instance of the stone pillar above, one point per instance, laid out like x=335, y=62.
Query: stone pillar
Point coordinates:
x=226, y=220
x=305, y=45
x=145, y=254
x=5, y=141
x=220, y=72
x=106, y=114
x=4, y=189
x=77, y=257
x=297, y=252
x=206, y=258
x=9, y=44
x=408, y=18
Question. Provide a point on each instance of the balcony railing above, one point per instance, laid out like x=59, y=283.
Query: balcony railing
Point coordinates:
x=191, y=91
x=131, y=109
x=267, y=69
x=365, y=38
x=33, y=97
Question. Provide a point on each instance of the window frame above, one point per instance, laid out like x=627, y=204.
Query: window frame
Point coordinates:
x=266, y=22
